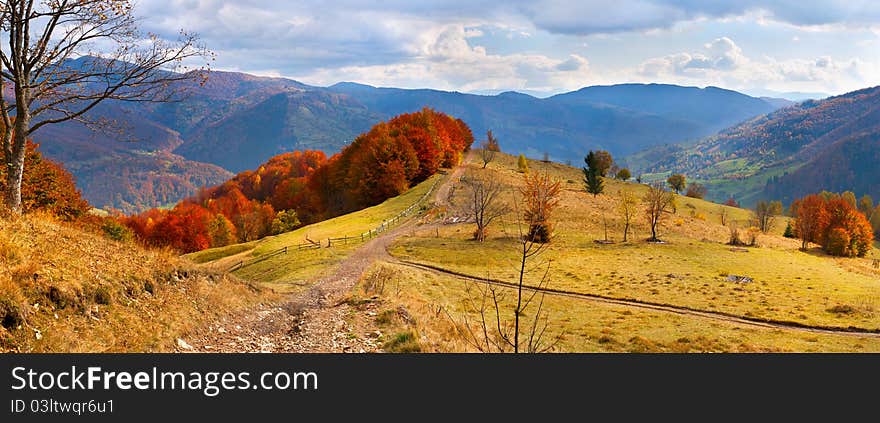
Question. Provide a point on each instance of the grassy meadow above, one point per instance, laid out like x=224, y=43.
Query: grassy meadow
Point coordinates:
x=690, y=270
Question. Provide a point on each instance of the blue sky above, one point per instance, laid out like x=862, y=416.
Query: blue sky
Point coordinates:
x=539, y=46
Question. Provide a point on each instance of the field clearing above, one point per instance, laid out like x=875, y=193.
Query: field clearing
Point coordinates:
x=690, y=270
x=594, y=327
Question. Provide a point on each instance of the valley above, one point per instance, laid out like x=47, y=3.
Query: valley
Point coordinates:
x=155, y=154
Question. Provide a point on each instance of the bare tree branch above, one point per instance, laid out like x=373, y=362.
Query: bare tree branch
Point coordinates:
x=54, y=74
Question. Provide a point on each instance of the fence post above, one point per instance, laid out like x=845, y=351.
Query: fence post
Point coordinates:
x=285, y=249
x=328, y=243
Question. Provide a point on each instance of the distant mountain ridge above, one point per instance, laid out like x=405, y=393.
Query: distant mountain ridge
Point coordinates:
x=237, y=121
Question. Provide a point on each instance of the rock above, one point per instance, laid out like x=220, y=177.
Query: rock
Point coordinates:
x=739, y=279
x=183, y=345
x=38, y=335
x=221, y=330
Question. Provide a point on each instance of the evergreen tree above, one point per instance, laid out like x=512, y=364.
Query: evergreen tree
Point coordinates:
x=592, y=174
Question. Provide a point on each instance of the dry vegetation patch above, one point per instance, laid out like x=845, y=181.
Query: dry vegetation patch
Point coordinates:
x=62, y=289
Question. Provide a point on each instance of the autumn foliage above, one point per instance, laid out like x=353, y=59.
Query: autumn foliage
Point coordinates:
x=541, y=196
x=834, y=223
x=379, y=164
x=48, y=186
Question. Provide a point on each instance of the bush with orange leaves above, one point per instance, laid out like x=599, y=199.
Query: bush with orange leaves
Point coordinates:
x=834, y=223
x=541, y=197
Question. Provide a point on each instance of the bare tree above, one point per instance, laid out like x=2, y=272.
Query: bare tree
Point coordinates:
x=527, y=331
x=627, y=208
x=489, y=148
x=766, y=213
x=49, y=73
x=658, y=204
x=483, y=202
x=724, y=214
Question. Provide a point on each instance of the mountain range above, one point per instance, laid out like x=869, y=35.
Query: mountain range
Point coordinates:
x=831, y=144
x=159, y=153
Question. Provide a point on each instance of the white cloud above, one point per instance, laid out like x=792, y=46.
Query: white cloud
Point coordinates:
x=449, y=61
x=723, y=63
x=435, y=43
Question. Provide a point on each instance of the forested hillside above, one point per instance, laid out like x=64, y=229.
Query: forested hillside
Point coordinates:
x=148, y=155
x=828, y=144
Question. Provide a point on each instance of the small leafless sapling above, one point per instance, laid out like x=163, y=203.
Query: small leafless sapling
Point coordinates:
x=492, y=329
x=484, y=203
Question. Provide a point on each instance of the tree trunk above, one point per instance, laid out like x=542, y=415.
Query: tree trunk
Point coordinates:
x=15, y=163
x=518, y=310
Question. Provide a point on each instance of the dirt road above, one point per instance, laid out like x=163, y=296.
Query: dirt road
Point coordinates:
x=318, y=320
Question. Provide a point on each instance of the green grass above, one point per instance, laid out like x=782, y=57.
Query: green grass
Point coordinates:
x=296, y=269
x=404, y=342
x=352, y=224
x=747, y=190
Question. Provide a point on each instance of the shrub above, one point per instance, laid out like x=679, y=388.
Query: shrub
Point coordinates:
x=522, y=164
x=10, y=314
x=838, y=243
x=789, y=232
x=116, y=231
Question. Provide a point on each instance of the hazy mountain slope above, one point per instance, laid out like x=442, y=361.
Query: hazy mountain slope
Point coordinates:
x=292, y=120
x=621, y=118
x=713, y=108
x=236, y=121
x=814, y=145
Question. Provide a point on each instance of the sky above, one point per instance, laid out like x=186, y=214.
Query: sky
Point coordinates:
x=538, y=46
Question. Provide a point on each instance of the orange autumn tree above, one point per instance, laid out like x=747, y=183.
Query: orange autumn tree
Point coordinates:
x=832, y=222
x=46, y=185
x=848, y=233
x=379, y=164
x=811, y=219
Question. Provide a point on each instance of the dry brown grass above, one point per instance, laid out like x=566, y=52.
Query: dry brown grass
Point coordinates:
x=690, y=270
x=65, y=290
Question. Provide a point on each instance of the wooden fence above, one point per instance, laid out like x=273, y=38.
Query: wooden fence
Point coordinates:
x=344, y=240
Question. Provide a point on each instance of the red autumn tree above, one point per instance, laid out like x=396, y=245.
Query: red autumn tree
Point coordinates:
x=811, y=219
x=844, y=216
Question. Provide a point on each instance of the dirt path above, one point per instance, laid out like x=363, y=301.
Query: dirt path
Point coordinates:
x=710, y=315
x=319, y=319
